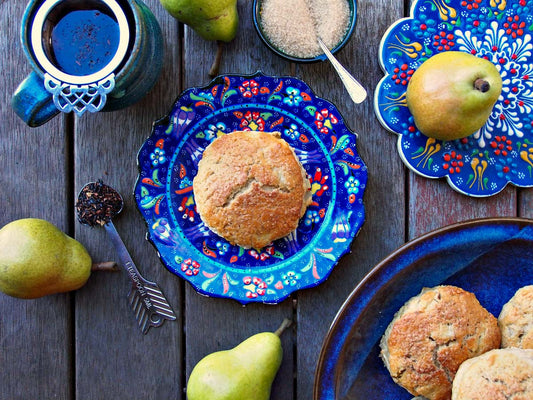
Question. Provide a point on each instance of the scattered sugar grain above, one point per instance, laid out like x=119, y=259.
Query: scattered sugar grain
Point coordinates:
x=293, y=26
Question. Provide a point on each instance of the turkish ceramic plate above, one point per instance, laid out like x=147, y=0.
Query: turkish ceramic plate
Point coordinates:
x=501, y=152
x=489, y=257
x=168, y=162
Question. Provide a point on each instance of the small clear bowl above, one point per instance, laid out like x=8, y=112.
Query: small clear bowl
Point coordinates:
x=257, y=4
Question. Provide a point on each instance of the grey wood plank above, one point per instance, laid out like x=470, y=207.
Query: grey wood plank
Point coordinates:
x=112, y=355
x=217, y=324
x=384, y=228
x=433, y=204
x=33, y=165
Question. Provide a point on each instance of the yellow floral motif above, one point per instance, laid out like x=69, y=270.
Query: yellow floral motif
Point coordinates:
x=478, y=166
x=501, y=4
x=410, y=49
x=527, y=155
x=400, y=101
x=431, y=148
x=445, y=10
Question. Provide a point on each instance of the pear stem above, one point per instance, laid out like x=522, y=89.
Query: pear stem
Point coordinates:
x=108, y=266
x=284, y=325
x=216, y=63
x=482, y=85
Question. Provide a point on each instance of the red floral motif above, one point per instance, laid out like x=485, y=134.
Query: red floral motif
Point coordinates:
x=324, y=120
x=501, y=145
x=514, y=27
x=252, y=121
x=402, y=74
x=453, y=162
x=470, y=4
x=265, y=255
x=256, y=286
x=249, y=88
x=444, y=41
x=190, y=267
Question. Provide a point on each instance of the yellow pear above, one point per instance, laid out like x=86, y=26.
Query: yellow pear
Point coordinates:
x=38, y=259
x=451, y=95
x=245, y=372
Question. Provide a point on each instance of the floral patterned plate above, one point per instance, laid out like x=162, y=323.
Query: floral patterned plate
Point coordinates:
x=168, y=162
x=501, y=152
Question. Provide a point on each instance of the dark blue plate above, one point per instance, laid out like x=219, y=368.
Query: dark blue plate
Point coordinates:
x=489, y=257
x=168, y=163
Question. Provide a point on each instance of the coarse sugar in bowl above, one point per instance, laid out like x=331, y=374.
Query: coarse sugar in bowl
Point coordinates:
x=290, y=28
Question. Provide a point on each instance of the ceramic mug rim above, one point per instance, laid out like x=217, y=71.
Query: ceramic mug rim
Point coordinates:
x=48, y=67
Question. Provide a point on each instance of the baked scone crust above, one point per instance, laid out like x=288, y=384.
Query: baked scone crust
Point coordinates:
x=251, y=188
x=516, y=319
x=499, y=374
x=432, y=334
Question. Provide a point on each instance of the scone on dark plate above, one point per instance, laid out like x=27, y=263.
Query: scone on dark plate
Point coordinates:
x=250, y=188
x=516, y=320
x=501, y=374
x=431, y=335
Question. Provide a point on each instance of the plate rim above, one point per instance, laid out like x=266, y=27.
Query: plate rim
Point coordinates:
x=382, y=265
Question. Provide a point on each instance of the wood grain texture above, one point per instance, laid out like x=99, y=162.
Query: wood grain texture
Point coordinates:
x=112, y=355
x=383, y=230
x=215, y=324
x=32, y=332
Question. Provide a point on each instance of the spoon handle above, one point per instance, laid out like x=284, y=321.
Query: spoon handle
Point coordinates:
x=146, y=298
x=356, y=91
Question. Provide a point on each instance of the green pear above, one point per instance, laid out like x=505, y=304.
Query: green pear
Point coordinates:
x=211, y=19
x=451, y=95
x=245, y=372
x=38, y=259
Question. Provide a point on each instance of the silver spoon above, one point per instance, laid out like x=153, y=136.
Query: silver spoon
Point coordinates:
x=356, y=91
x=97, y=204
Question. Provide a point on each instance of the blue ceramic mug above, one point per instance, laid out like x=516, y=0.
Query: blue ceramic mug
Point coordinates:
x=86, y=55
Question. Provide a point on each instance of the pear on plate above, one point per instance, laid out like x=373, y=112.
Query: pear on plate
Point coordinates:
x=245, y=372
x=452, y=94
x=38, y=259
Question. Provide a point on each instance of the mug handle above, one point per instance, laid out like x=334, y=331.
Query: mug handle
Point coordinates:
x=32, y=102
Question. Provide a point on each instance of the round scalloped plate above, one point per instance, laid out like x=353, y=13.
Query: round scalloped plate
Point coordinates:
x=327, y=149
x=501, y=152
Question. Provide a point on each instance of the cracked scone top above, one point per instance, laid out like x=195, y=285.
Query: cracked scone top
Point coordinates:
x=432, y=334
x=516, y=319
x=500, y=374
x=250, y=188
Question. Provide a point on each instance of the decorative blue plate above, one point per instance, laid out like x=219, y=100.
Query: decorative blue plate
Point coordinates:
x=168, y=162
x=501, y=152
x=489, y=257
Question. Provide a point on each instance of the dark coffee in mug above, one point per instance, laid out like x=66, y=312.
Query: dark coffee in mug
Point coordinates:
x=84, y=41
x=80, y=38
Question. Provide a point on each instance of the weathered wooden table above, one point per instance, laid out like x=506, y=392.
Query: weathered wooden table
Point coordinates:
x=86, y=344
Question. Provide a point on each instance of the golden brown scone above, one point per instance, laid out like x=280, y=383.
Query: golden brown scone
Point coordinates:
x=431, y=335
x=501, y=374
x=251, y=188
x=516, y=320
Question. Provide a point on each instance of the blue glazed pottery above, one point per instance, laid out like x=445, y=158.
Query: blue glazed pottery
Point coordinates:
x=501, y=152
x=491, y=258
x=99, y=55
x=168, y=163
